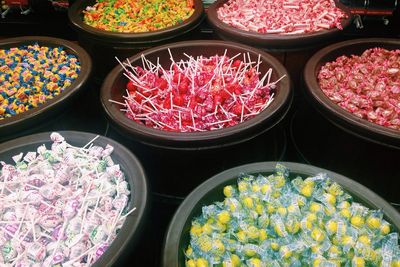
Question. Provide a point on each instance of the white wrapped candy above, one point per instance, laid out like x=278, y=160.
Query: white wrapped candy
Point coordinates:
x=61, y=206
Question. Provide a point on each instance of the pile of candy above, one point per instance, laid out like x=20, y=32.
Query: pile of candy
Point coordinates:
x=281, y=16
x=197, y=94
x=137, y=16
x=31, y=75
x=367, y=86
x=62, y=206
x=272, y=221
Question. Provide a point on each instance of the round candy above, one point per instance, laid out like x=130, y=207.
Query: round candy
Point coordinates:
x=137, y=16
x=270, y=228
x=30, y=75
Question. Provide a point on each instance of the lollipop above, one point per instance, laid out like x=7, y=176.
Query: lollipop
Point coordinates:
x=197, y=94
x=52, y=220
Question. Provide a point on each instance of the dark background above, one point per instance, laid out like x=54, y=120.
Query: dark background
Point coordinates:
x=305, y=136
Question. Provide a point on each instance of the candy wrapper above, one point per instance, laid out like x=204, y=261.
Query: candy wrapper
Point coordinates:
x=277, y=221
x=61, y=206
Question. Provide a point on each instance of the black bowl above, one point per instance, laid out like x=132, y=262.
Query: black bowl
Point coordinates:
x=75, y=14
x=129, y=234
x=178, y=237
x=272, y=41
x=115, y=84
x=16, y=124
x=334, y=113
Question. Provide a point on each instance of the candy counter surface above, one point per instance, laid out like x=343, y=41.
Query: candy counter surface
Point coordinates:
x=86, y=114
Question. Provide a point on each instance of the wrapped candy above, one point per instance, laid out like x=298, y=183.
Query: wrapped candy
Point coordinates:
x=52, y=209
x=367, y=85
x=271, y=221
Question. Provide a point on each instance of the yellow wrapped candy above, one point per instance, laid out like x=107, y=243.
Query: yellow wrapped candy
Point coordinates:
x=307, y=190
x=263, y=235
x=205, y=243
x=243, y=186
x=255, y=262
x=358, y=262
x=224, y=217
x=259, y=209
x=315, y=207
x=207, y=229
x=189, y=251
x=248, y=202
x=395, y=263
x=253, y=232
x=373, y=222
x=317, y=234
x=364, y=239
x=218, y=246
x=265, y=188
x=331, y=226
x=285, y=252
x=196, y=229
x=241, y=236
x=385, y=228
x=201, y=262
x=228, y=191
x=255, y=188
x=357, y=221
x=190, y=263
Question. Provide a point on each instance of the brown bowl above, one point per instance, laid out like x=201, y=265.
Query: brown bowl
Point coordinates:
x=334, y=113
x=177, y=237
x=18, y=123
x=271, y=41
x=115, y=84
x=75, y=14
x=129, y=235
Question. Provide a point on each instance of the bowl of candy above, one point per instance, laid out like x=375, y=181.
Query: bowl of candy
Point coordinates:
x=38, y=77
x=124, y=27
x=198, y=105
x=141, y=21
x=356, y=85
x=278, y=24
x=197, y=94
x=285, y=214
x=70, y=199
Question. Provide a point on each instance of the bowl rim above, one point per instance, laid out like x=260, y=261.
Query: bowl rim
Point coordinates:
x=280, y=100
x=140, y=193
x=72, y=48
x=362, y=127
x=271, y=40
x=171, y=246
x=76, y=19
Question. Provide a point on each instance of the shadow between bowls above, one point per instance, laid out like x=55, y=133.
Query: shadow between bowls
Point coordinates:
x=129, y=234
x=115, y=84
x=17, y=124
x=272, y=41
x=75, y=14
x=178, y=237
x=334, y=113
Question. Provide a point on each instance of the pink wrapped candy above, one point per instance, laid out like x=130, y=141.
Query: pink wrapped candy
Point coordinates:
x=282, y=16
x=367, y=86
